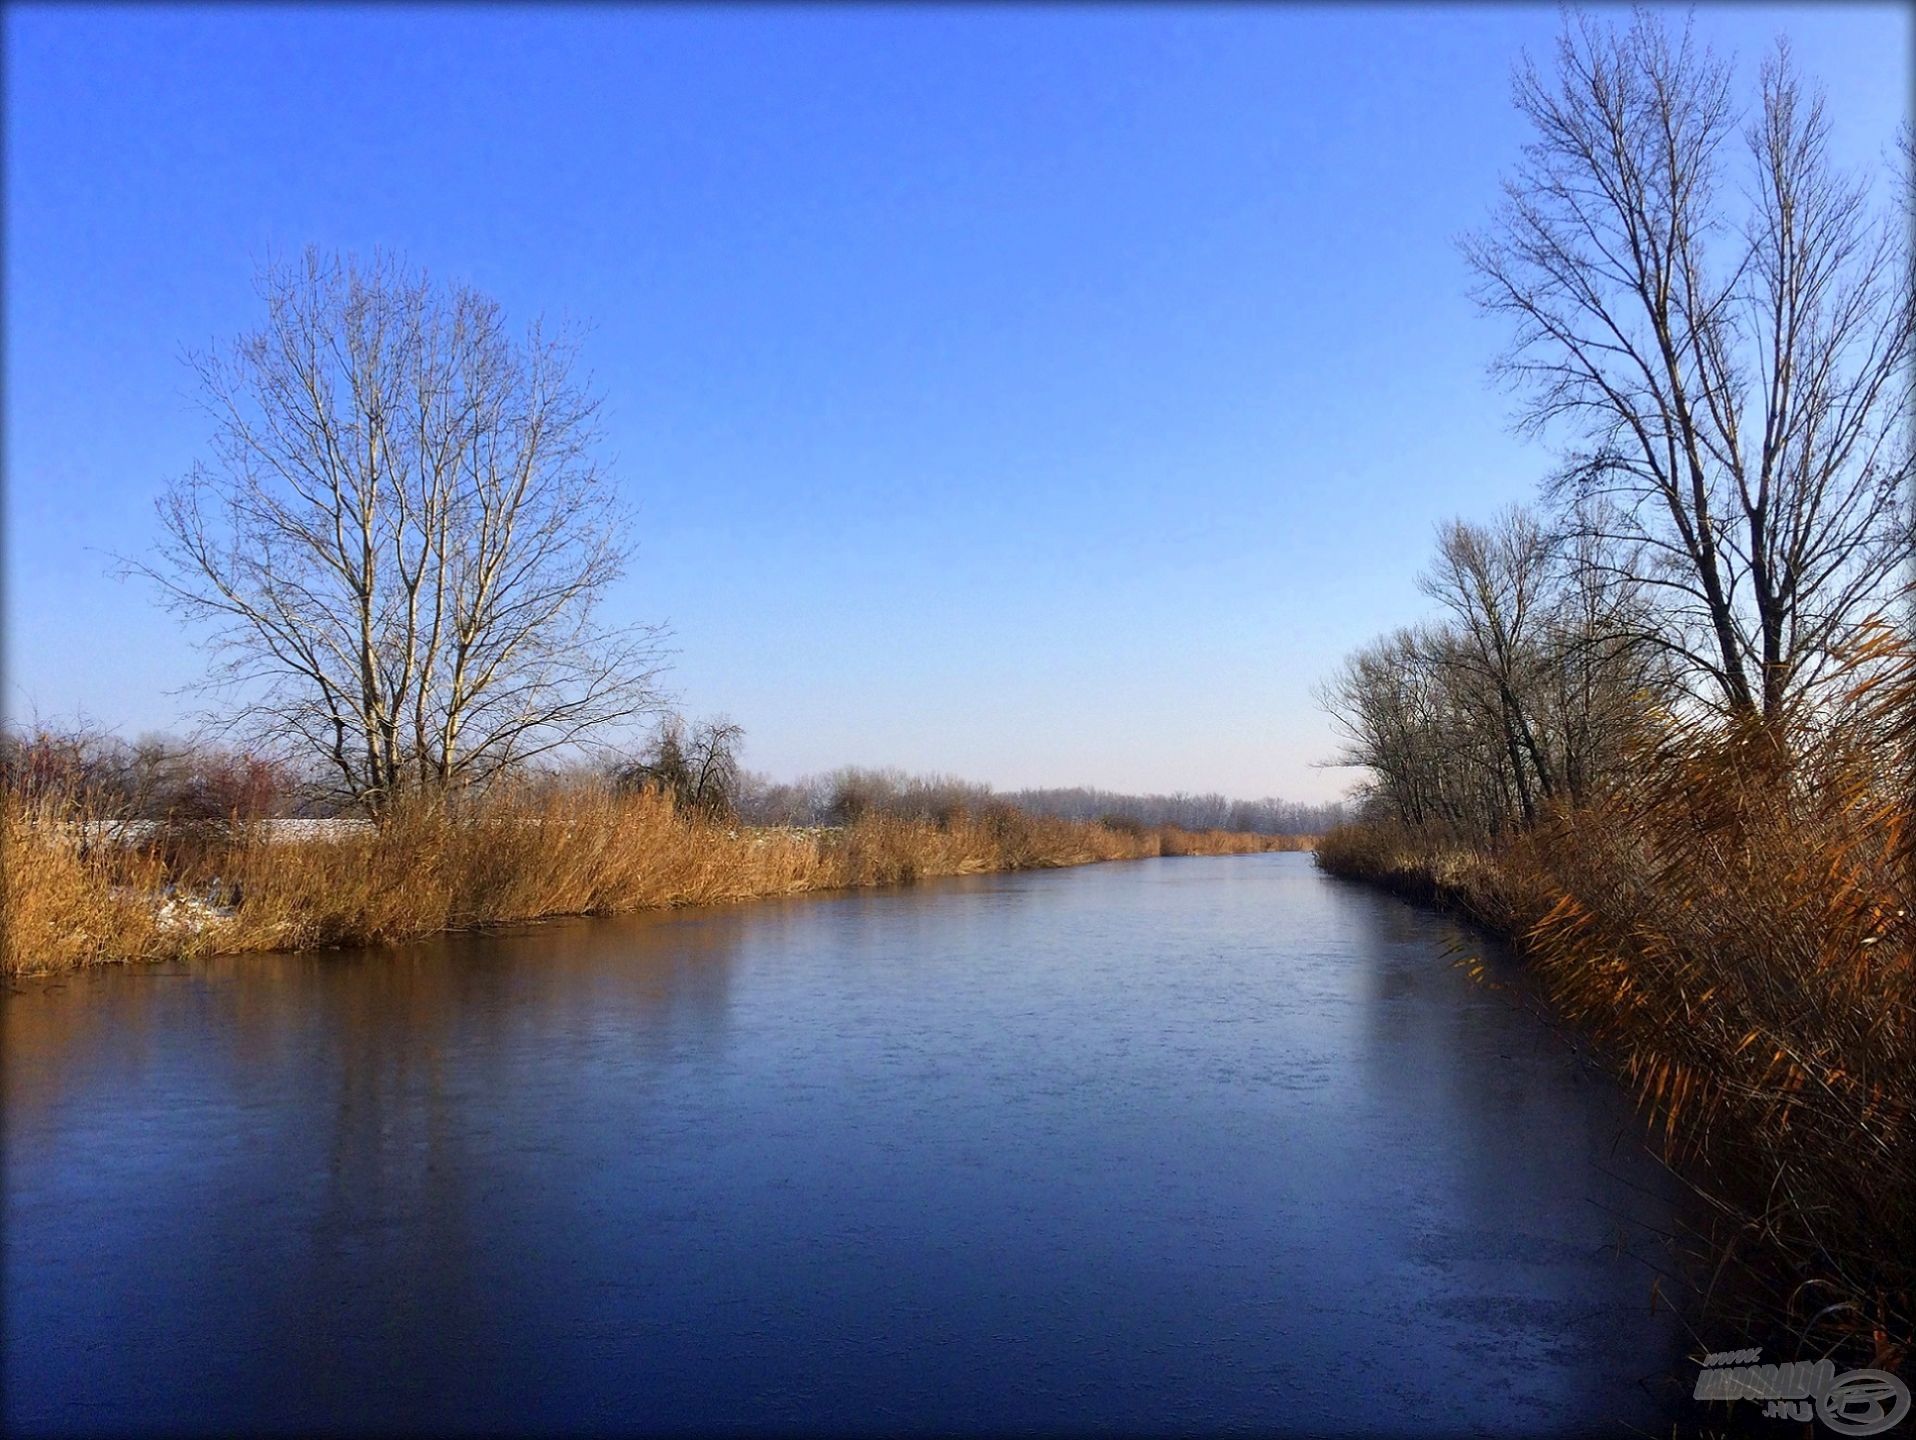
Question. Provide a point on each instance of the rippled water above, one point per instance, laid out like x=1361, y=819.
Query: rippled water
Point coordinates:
x=1184, y=1144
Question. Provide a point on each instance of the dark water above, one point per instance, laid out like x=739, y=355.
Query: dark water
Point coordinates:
x=1188, y=1144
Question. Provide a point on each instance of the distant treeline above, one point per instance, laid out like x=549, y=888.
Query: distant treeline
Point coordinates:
x=842, y=796
x=165, y=778
x=1269, y=816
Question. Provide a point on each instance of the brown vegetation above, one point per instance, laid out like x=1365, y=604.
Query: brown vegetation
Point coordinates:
x=1662, y=734
x=1733, y=920
x=73, y=895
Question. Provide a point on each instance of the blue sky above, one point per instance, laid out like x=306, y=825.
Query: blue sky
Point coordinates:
x=1044, y=396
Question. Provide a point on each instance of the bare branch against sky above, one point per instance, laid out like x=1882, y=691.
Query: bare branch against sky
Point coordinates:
x=403, y=535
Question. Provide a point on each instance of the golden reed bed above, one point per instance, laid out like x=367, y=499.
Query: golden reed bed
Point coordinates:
x=514, y=857
x=1733, y=922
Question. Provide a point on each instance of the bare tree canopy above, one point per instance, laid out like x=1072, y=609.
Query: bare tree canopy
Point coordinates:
x=698, y=767
x=1522, y=698
x=1738, y=377
x=403, y=538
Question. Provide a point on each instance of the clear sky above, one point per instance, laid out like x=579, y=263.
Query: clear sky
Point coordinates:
x=1047, y=396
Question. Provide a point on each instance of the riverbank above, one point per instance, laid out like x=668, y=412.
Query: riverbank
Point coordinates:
x=1740, y=950
x=71, y=901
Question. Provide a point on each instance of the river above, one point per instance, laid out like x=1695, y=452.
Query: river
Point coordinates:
x=1173, y=1145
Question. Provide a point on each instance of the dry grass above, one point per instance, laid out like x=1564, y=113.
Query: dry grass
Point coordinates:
x=1431, y=869
x=1735, y=924
x=69, y=903
x=514, y=857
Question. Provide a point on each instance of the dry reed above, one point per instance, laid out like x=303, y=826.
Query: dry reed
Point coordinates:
x=511, y=856
x=1734, y=923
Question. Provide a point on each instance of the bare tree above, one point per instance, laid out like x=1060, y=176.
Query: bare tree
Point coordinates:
x=403, y=539
x=1523, y=697
x=1740, y=389
x=1494, y=582
x=698, y=768
x=1398, y=705
x=1605, y=676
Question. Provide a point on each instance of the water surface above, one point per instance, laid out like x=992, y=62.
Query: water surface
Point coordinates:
x=1177, y=1145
